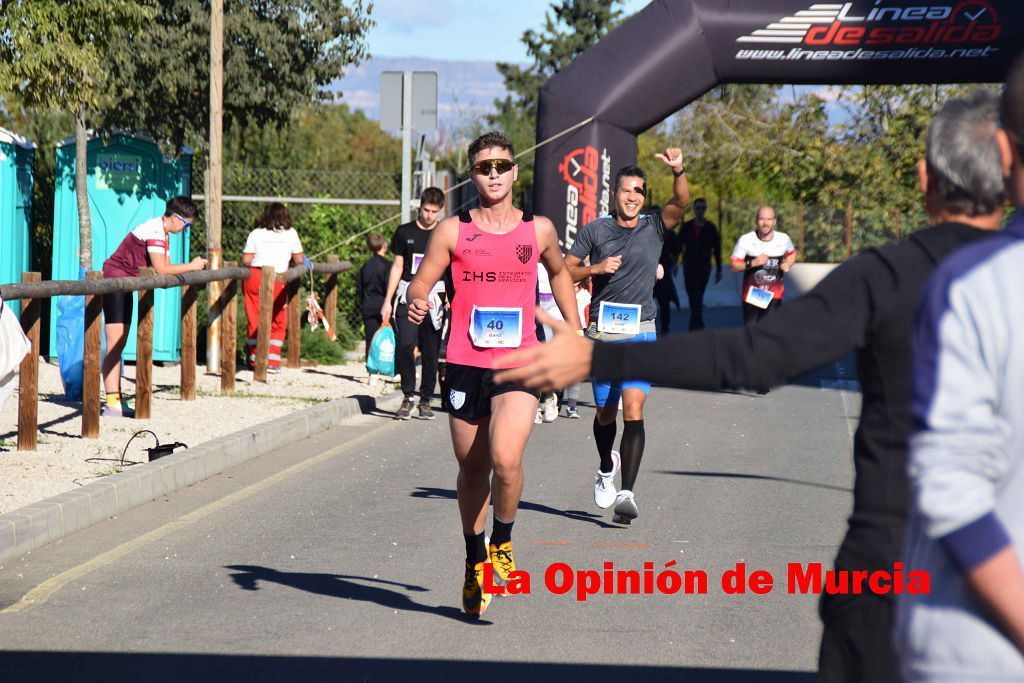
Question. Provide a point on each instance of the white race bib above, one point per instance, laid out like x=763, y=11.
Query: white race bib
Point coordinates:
x=492, y=327
x=759, y=297
x=616, y=318
x=417, y=259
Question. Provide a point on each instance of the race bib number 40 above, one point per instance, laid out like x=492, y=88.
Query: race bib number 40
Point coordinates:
x=759, y=297
x=496, y=327
x=616, y=318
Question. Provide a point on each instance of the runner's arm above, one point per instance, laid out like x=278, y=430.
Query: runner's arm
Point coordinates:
x=436, y=260
x=558, y=272
x=673, y=210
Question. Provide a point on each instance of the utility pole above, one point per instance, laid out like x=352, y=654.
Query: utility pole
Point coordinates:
x=214, y=184
x=406, y=145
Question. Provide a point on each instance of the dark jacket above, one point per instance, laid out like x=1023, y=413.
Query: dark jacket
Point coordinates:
x=372, y=284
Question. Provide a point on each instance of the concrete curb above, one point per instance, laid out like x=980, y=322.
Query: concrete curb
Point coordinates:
x=33, y=526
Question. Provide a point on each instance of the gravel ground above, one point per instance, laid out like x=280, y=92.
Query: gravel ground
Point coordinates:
x=64, y=460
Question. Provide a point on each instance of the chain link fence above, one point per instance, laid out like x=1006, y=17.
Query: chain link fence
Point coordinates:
x=333, y=228
x=822, y=234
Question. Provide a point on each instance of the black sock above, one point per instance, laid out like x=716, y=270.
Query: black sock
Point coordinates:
x=502, y=532
x=475, y=550
x=632, y=450
x=604, y=436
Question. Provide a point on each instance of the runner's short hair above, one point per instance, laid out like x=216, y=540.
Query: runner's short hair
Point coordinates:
x=963, y=155
x=432, y=195
x=1012, y=113
x=700, y=200
x=375, y=241
x=488, y=140
x=183, y=206
x=630, y=172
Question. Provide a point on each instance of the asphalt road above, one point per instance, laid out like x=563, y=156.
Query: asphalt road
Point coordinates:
x=340, y=558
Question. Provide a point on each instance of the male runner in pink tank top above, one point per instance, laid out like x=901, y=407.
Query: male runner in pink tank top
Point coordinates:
x=493, y=252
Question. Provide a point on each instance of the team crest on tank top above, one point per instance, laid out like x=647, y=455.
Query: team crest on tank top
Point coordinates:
x=524, y=252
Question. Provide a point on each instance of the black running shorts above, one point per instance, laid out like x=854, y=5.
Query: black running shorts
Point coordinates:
x=467, y=391
x=117, y=308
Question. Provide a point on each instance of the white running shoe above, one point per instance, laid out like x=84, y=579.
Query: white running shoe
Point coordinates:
x=550, y=408
x=539, y=419
x=625, y=507
x=604, y=484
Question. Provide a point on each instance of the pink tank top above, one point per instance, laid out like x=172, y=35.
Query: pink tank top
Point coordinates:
x=492, y=271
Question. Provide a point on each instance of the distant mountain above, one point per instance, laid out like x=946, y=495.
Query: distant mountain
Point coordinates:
x=465, y=90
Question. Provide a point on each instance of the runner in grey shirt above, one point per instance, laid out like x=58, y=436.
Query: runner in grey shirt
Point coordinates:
x=623, y=250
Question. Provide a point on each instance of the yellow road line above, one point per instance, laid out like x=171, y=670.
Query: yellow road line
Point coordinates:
x=44, y=591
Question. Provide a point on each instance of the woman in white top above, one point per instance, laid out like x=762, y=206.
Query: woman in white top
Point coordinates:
x=273, y=242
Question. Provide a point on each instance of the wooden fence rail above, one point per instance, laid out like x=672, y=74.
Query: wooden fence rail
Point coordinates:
x=31, y=290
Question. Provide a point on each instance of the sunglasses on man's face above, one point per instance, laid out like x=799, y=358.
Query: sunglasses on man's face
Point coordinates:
x=187, y=223
x=487, y=165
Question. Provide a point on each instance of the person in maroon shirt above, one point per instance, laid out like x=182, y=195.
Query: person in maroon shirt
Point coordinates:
x=145, y=246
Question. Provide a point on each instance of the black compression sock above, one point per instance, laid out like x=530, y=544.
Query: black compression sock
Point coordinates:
x=502, y=532
x=475, y=549
x=604, y=436
x=632, y=450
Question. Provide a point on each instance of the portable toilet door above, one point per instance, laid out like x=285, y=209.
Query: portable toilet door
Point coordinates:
x=129, y=182
x=16, y=159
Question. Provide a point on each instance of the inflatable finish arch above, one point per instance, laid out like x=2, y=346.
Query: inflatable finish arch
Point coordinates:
x=673, y=51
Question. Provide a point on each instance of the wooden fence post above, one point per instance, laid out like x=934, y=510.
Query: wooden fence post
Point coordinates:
x=188, y=343
x=294, y=325
x=331, y=300
x=28, y=379
x=228, y=333
x=144, y=351
x=849, y=229
x=267, y=280
x=91, y=365
x=800, y=223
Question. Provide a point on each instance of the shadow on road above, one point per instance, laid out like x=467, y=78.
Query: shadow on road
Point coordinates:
x=762, y=477
x=431, y=492
x=343, y=586
x=156, y=668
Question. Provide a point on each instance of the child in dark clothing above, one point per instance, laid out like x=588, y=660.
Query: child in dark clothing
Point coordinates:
x=371, y=283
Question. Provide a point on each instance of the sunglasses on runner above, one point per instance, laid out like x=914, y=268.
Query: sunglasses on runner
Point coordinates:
x=487, y=165
x=187, y=223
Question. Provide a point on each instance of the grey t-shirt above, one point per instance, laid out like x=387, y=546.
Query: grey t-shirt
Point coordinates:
x=640, y=248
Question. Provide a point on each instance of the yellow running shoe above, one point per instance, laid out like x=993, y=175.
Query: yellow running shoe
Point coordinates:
x=501, y=558
x=474, y=599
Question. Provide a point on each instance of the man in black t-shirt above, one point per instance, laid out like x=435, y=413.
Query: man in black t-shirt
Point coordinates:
x=408, y=246
x=699, y=240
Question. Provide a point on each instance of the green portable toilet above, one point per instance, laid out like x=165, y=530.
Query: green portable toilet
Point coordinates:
x=16, y=157
x=129, y=181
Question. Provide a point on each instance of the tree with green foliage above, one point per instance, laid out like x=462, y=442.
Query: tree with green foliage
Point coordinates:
x=279, y=55
x=571, y=27
x=55, y=56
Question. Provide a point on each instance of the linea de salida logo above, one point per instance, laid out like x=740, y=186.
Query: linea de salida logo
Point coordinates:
x=842, y=31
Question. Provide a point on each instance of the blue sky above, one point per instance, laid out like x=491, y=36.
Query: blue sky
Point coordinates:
x=459, y=29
